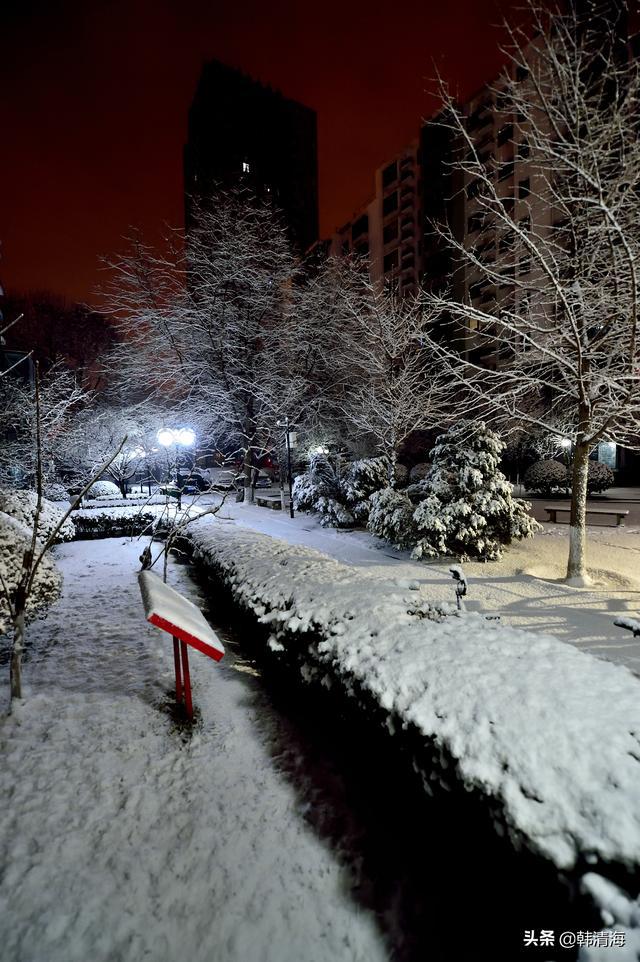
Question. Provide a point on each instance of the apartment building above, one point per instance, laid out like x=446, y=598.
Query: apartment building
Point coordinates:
x=241, y=131
x=387, y=230
x=500, y=142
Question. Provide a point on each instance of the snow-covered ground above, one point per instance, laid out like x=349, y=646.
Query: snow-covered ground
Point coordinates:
x=549, y=731
x=525, y=587
x=122, y=840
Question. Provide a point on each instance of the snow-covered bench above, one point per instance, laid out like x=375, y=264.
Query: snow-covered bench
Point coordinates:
x=553, y=510
x=264, y=501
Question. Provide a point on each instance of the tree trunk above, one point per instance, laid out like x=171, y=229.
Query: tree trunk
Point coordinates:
x=393, y=461
x=577, y=565
x=16, y=654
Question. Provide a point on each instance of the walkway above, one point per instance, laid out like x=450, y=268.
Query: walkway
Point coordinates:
x=122, y=838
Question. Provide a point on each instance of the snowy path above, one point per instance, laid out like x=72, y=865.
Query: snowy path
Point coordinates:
x=120, y=839
x=537, y=601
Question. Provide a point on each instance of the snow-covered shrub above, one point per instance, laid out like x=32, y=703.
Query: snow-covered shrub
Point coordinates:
x=600, y=477
x=361, y=479
x=546, y=477
x=56, y=492
x=417, y=491
x=21, y=505
x=104, y=489
x=419, y=471
x=333, y=514
x=304, y=492
x=15, y=539
x=470, y=511
x=391, y=517
x=320, y=490
x=401, y=472
x=113, y=523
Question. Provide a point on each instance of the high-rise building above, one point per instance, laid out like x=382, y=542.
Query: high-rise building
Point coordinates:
x=387, y=230
x=243, y=132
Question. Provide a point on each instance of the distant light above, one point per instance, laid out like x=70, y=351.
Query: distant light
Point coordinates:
x=165, y=437
x=186, y=437
x=320, y=450
x=245, y=167
x=565, y=443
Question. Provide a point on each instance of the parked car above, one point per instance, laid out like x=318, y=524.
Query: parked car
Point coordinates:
x=263, y=480
x=173, y=490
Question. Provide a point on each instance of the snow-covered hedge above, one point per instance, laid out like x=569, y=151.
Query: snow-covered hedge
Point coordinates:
x=552, y=477
x=136, y=501
x=113, y=522
x=548, y=732
x=21, y=505
x=546, y=477
x=401, y=472
x=599, y=477
x=104, y=489
x=15, y=539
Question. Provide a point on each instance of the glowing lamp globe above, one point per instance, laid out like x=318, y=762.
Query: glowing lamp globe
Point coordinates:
x=186, y=437
x=165, y=437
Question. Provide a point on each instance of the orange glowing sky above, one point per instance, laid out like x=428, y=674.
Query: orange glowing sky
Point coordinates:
x=96, y=93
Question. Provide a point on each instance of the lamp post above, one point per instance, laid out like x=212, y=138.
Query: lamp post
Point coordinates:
x=565, y=444
x=285, y=424
x=177, y=437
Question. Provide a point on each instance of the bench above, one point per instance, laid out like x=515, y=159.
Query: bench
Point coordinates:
x=274, y=503
x=553, y=510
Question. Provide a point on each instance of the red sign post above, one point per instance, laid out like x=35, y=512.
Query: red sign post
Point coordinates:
x=167, y=609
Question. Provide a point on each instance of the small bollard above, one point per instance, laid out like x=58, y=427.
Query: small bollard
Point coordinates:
x=460, y=580
x=630, y=624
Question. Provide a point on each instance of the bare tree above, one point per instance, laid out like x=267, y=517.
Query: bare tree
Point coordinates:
x=380, y=382
x=62, y=399
x=17, y=595
x=396, y=387
x=211, y=325
x=556, y=347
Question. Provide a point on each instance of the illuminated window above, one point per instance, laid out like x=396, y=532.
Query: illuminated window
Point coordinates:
x=245, y=167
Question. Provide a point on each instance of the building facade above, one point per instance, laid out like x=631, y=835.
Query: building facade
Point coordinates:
x=387, y=230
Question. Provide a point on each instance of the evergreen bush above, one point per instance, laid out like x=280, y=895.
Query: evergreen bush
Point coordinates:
x=546, y=477
x=391, y=517
x=469, y=511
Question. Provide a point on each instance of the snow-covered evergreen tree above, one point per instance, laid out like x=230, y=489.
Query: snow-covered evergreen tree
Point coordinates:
x=469, y=510
x=361, y=480
x=391, y=517
x=319, y=489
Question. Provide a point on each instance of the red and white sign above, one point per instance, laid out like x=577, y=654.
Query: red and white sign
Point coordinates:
x=167, y=609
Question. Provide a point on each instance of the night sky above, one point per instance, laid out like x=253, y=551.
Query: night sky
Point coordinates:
x=95, y=96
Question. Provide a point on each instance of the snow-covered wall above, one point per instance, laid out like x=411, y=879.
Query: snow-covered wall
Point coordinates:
x=548, y=732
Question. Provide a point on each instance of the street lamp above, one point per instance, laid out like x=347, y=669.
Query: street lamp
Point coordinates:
x=183, y=437
x=565, y=444
x=289, y=437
